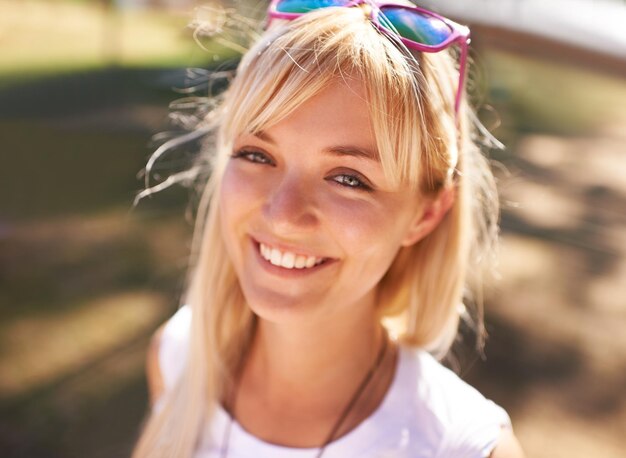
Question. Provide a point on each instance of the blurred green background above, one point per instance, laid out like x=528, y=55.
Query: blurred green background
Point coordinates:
x=85, y=278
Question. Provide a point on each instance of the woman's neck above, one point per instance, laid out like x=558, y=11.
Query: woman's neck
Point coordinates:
x=297, y=380
x=308, y=357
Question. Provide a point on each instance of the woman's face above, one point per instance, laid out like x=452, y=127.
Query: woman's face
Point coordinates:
x=309, y=220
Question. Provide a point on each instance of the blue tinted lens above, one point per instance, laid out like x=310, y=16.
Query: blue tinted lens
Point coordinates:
x=303, y=6
x=414, y=25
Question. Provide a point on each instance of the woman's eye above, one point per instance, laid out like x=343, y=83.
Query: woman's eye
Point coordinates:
x=352, y=181
x=253, y=156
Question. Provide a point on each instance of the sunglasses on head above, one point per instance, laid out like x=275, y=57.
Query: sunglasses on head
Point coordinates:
x=417, y=28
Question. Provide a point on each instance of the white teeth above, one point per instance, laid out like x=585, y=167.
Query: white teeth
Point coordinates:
x=288, y=260
x=310, y=261
x=275, y=257
x=265, y=252
x=300, y=261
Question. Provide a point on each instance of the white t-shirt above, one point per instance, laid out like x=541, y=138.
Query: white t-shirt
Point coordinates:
x=427, y=412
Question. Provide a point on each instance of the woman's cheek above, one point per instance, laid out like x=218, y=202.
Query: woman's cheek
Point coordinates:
x=234, y=201
x=240, y=187
x=358, y=219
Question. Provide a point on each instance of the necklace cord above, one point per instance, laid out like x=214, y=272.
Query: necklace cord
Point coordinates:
x=357, y=394
x=232, y=399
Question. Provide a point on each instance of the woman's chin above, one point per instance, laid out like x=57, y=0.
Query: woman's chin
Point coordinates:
x=277, y=307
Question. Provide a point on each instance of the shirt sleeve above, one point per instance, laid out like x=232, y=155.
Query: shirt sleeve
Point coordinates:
x=475, y=425
x=475, y=435
x=469, y=424
x=173, y=349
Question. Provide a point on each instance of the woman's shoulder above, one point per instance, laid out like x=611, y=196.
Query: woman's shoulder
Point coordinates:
x=173, y=345
x=463, y=420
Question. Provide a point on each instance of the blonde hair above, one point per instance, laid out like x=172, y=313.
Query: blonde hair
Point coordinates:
x=411, y=99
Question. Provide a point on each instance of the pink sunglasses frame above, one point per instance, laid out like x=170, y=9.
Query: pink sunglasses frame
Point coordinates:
x=460, y=33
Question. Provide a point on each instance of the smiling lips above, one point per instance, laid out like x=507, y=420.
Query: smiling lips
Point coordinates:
x=288, y=259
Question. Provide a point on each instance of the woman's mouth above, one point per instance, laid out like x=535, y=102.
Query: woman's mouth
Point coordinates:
x=288, y=259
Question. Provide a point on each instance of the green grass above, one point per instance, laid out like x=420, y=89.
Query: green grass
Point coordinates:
x=84, y=36
x=534, y=95
x=44, y=167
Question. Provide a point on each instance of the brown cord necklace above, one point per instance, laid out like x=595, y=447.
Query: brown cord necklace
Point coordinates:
x=344, y=414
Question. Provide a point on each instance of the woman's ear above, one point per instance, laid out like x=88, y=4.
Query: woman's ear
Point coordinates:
x=429, y=215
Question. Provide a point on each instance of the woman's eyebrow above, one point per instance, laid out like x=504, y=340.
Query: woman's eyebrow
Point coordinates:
x=339, y=150
x=262, y=135
x=354, y=151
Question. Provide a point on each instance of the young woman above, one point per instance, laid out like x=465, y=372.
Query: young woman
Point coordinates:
x=343, y=223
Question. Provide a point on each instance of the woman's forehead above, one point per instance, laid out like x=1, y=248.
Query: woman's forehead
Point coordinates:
x=335, y=120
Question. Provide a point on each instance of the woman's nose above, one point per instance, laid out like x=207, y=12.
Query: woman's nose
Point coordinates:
x=291, y=205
